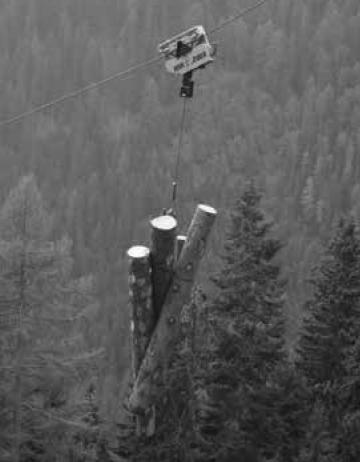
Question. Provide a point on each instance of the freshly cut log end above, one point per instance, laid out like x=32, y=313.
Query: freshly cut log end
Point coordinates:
x=164, y=223
x=207, y=209
x=180, y=241
x=138, y=251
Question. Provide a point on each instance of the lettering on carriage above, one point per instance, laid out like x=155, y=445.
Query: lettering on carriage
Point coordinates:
x=178, y=67
x=199, y=56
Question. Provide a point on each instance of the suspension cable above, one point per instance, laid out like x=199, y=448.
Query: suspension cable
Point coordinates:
x=122, y=75
x=237, y=16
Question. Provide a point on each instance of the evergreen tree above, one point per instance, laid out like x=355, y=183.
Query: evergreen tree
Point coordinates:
x=44, y=360
x=328, y=348
x=350, y=422
x=331, y=327
x=241, y=390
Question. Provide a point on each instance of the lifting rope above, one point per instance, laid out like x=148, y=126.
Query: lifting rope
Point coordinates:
x=187, y=92
x=175, y=177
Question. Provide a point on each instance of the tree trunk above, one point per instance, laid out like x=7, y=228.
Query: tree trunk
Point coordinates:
x=147, y=385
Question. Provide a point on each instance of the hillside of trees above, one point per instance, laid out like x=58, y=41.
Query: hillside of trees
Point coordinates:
x=80, y=181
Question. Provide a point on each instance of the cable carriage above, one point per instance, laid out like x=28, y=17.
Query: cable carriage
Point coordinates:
x=187, y=51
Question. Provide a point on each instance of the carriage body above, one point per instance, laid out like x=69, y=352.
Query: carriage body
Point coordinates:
x=195, y=51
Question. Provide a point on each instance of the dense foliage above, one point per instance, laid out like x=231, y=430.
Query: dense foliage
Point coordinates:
x=248, y=378
x=280, y=105
x=328, y=349
x=46, y=361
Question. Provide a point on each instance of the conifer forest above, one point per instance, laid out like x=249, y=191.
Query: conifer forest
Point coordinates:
x=267, y=361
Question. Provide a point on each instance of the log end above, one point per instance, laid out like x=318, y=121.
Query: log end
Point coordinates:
x=180, y=241
x=164, y=223
x=207, y=209
x=181, y=238
x=138, y=251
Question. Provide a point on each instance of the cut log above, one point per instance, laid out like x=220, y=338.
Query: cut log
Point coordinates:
x=163, y=230
x=180, y=241
x=142, y=321
x=162, y=251
x=150, y=377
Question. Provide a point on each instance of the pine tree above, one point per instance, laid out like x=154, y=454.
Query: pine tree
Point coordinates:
x=328, y=348
x=330, y=328
x=44, y=360
x=240, y=390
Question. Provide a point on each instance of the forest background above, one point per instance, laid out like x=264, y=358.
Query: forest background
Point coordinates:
x=280, y=105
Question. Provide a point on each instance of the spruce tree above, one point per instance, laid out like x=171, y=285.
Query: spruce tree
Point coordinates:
x=330, y=328
x=328, y=348
x=350, y=421
x=240, y=393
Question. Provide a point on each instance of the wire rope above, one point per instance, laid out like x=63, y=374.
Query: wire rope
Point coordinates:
x=122, y=75
x=237, y=16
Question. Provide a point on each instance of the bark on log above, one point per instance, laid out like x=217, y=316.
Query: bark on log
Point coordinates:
x=142, y=321
x=150, y=377
x=162, y=251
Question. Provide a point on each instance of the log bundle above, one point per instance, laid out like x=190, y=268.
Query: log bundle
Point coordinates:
x=166, y=275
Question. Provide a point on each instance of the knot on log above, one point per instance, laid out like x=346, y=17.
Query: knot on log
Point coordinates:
x=171, y=320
